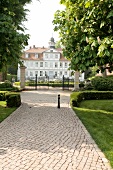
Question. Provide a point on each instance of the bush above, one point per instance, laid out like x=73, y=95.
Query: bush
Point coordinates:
x=2, y=96
x=10, y=76
x=102, y=84
x=77, y=97
x=88, y=86
x=6, y=84
x=13, y=100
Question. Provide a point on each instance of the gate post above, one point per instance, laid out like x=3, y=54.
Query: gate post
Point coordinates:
x=36, y=82
x=22, y=76
x=63, y=83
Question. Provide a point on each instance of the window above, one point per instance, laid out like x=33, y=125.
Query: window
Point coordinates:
x=56, y=65
x=60, y=64
x=56, y=56
x=41, y=64
x=46, y=74
x=36, y=64
x=51, y=55
x=46, y=55
x=41, y=73
x=26, y=73
x=31, y=73
x=60, y=73
x=46, y=64
x=65, y=65
x=26, y=55
x=36, y=72
x=31, y=64
x=36, y=55
x=65, y=73
x=51, y=65
x=55, y=73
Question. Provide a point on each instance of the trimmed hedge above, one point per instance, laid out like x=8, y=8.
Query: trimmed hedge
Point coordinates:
x=13, y=99
x=2, y=96
x=102, y=83
x=77, y=97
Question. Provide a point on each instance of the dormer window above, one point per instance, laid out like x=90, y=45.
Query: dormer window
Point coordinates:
x=36, y=55
x=26, y=55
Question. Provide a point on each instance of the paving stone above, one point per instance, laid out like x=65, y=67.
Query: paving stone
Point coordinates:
x=39, y=136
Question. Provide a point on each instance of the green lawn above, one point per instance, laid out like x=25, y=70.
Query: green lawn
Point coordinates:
x=5, y=111
x=97, y=116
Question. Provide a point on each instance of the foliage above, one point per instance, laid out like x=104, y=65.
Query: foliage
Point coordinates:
x=6, y=84
x=2, y=96
x=78, y=97
x=12, y=36
x=86, y=32
x=5, y=111
x=13, y=99
x=58, y=44
x=97, y=116
x=11, y=76
x=12, y=69
x=102, y=83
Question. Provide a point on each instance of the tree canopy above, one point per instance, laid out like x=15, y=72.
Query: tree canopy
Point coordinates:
x=12, y=36
x=86, y=31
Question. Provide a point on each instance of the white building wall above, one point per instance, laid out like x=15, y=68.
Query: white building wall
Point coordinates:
x=33, y=68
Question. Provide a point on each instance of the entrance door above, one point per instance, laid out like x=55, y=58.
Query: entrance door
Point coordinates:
x=51, y=74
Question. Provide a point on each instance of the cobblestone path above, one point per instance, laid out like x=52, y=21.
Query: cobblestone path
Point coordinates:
x=39, y=136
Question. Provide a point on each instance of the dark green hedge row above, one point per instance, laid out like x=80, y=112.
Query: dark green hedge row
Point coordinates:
x=2, y=96
x=13, y=100
x=102, y=83
x=77, y=97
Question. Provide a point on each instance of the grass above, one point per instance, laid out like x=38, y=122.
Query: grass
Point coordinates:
x=97, y=116
x=5, y=111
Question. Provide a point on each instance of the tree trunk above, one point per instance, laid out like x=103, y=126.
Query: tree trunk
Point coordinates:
x=76, y=81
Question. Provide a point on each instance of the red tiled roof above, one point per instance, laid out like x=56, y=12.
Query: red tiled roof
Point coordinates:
x=40, y=51
x=36, y=50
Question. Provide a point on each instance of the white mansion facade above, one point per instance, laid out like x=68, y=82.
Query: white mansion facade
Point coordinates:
x=46, y=62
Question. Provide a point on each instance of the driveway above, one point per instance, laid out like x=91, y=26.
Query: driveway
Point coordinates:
x=40, y=136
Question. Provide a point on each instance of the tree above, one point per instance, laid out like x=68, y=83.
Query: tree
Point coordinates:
x=86, y=31
x=12, y=36
x=58, y=44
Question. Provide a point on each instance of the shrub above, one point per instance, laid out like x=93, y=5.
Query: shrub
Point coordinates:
x=102, y=84
x=77, y=97
x=2, y=96
x=10, y=76
x=81, y=85
x=6, y=84
x=88, y=86
x=13, y=100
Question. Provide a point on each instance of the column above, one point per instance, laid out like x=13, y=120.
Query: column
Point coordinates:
x=76, y=81
x=22, y=76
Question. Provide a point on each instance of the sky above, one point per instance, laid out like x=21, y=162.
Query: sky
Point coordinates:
x=39, y=24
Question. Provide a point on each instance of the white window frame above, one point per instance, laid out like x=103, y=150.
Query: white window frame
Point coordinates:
x=41, y=73
x=36, y=64
x=41, y=64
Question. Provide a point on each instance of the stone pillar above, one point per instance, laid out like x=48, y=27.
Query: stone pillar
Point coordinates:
x=76, y=81
x=22, y=76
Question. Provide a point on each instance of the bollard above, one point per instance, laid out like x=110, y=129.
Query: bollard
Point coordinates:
x=59, y=101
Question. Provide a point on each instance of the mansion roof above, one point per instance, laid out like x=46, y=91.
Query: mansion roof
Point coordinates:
x=40, y=50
